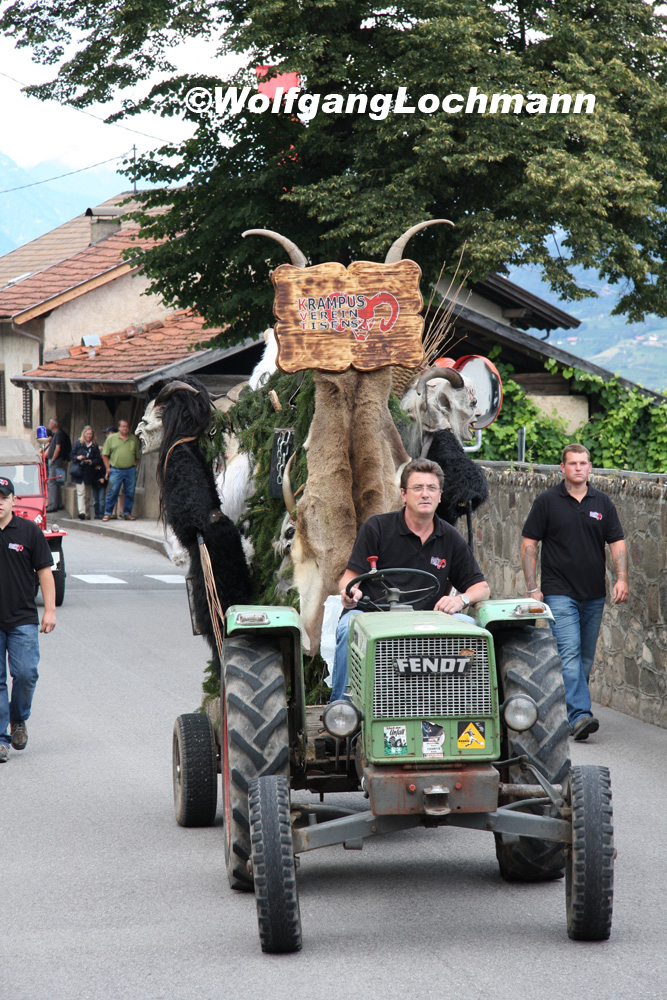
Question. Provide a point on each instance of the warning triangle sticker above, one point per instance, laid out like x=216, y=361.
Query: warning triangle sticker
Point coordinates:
x=471, y=736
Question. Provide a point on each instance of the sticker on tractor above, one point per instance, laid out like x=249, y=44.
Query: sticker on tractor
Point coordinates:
x=433, y=737
x=471, y=736
x=395, y=741
x=427, y=627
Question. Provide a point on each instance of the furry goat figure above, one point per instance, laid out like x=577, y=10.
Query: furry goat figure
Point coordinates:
x=464, y=481
x=189, y=500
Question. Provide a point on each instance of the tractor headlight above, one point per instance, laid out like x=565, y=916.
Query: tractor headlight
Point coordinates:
x=520, y=712
x=341, y=718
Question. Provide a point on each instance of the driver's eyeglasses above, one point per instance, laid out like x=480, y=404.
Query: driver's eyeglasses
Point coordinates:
x=420, y=489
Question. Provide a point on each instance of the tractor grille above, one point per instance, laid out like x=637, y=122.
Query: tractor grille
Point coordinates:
x=429, y=695
x=354, y=677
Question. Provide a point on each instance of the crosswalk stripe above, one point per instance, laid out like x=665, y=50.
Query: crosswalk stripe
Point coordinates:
x=164, y=578
x=97, y=578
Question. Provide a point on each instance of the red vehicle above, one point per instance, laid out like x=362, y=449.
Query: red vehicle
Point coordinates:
x=27, y=470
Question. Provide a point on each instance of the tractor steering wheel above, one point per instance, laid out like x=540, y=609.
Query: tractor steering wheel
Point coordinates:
x=393, y=594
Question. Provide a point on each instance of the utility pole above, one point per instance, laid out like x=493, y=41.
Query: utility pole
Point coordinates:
x=134, y=152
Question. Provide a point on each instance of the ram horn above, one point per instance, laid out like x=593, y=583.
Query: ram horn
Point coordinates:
x=167, y=391
x=292, y=249
x=453, y=377
x=288, y=495
x=395, y=252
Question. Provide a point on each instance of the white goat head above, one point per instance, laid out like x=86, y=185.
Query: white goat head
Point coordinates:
x=283, y=543
x=441, y=399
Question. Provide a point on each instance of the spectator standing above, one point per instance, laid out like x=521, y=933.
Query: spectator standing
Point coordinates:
x=85, y=457
x=121, y=454
x=100, y=483
x=23, y=552
x=120, y=504
x=574, y=521
x=57, y=456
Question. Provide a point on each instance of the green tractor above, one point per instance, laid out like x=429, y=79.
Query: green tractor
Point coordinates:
x=446, y=723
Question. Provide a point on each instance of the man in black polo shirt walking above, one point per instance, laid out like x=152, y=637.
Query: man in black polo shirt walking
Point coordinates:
x=23, y=551
x=574, y=521
x=415, y=538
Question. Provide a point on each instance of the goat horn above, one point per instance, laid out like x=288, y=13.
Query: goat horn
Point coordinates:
x=168, y=390
x=453, y=377
x=288, y=495
x=292, y=249
x=395, y=252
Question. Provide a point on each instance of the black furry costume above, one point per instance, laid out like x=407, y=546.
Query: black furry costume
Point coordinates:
x=464, y=481
x=189, y=501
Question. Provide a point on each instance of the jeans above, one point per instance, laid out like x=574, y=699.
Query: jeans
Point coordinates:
x=56, y=480
x=20, y=647
x=575, y=628
x=99, y=493
x=118, y=478
x=339, y=672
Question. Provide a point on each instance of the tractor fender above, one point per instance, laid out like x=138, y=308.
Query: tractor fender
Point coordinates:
x=515, y=610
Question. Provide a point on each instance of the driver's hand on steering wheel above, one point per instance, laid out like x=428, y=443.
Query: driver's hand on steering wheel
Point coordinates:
x=355, y=595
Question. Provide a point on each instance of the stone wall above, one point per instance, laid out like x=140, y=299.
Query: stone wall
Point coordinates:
x=630, y=670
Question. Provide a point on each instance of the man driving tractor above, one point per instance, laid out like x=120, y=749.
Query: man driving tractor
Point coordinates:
x=411, y=538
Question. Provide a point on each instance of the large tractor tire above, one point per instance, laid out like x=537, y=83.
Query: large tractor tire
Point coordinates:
x=589, y=873
x=59, y=579
x=254, y=739
x=528, y=663
x=194, y=770
x=273, y=865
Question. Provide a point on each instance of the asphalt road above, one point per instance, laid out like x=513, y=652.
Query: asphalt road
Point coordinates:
x=105, y=897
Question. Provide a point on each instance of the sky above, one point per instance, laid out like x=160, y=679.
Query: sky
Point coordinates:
x=34, y=131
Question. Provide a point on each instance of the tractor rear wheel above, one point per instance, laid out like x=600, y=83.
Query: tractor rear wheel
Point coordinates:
x=528, y=663
x=273, y=865
x=195, y=771
x=254, y=739
x=589, y=872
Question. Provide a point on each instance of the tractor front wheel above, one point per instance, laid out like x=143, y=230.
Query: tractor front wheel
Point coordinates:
x=194, y=770
x=273, y=865
x=589, y=871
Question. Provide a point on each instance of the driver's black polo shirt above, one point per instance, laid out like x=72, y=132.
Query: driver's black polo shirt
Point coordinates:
x=573, y=535
x=445, y=554
x=23, y=550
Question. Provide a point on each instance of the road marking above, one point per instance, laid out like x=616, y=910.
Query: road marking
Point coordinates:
x=97, y=578
x=165, y=579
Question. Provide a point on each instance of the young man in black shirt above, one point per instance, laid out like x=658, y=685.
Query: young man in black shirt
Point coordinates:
x=414, y=538
x=574, y=521
x=23, y=551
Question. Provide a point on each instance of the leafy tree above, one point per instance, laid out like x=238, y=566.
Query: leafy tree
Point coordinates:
x=343, y=186
x=627, y=428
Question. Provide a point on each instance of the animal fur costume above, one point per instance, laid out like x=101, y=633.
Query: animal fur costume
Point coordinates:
x=464, y=481
x=189, y=501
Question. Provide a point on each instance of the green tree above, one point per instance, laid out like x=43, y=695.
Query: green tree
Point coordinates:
x=557, y=190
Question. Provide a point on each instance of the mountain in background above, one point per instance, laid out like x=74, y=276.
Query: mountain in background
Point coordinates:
x=637, y=351
x=32, y=211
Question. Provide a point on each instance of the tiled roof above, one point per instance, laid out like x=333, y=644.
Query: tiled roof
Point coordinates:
x=129, y=356
x=60, y=243
x=65, y=276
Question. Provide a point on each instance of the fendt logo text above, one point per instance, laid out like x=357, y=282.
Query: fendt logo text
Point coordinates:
x=432, y=664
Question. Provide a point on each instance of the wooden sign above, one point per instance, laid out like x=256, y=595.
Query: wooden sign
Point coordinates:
x=332, y=317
